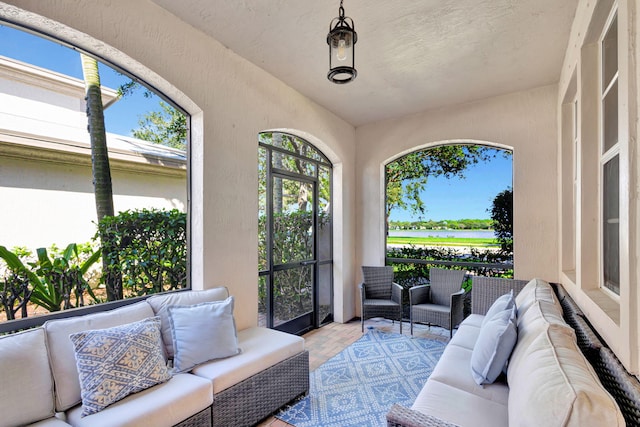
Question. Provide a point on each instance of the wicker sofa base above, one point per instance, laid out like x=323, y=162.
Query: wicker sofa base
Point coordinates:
x=255, y=398
x=201, y=419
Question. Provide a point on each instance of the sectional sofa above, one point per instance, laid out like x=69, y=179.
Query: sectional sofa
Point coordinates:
x=557, y=372
x=54, y=375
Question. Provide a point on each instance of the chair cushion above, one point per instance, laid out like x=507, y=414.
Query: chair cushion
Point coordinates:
x=494, y=346
x=202, y=332
x=61, y=352
x=116, y=362
x=161, y=303
x=26, y=394
x=261, y=349
x=165, y=404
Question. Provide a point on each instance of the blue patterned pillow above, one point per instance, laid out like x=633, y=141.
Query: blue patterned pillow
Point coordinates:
x=116, y=362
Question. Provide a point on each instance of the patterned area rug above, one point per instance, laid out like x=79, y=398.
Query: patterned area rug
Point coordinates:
x=358, y=386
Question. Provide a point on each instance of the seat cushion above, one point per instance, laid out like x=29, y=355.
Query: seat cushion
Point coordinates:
x=451, y=370
x=466, y=336
x=554, y=385
x=49, y=422
x=61, y=352
x=261, y=349
x=161, y=303
x=26, y=394
x=165, y=404
x=461, y=407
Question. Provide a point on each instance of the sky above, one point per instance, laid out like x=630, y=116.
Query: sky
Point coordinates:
x=444, y=198
x=120, y=118
x=468, y=198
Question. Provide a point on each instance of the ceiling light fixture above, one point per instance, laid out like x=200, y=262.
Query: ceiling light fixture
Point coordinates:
x=341, y=39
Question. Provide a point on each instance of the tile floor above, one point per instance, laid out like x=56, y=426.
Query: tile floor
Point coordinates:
x=326, y=342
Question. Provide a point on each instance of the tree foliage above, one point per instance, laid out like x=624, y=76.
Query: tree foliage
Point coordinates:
x=502, y=216
x=408, y=176
x=166, y=127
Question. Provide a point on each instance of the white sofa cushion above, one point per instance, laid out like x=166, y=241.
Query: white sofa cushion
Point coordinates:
x=261, y=349
x=450, y=370
x=61, y=352
x=161, y=303
x=535, y=290
x=116, y=362
x=202, y=332
x=554, y=385
x=26, y=394
x=460, y=407
x=49, y=422
x=165, y=404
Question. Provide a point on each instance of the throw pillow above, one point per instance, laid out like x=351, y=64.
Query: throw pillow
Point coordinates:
x=504, y=302
x=116, y=362
x=494, y=346
x=202, y=332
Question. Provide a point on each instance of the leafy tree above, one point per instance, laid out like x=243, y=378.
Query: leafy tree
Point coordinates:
x=502, y=216
x=166, y=127
x=408, y=176
x=100, y=162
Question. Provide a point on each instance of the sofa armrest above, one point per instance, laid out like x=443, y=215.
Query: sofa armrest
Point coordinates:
x=457, y=307
x=399, y=416
x=485, y=290
x=396, y=292
x=419, y=294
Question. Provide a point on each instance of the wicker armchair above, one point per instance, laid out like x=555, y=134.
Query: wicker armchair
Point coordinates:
x=441, y=302
x=379, y=295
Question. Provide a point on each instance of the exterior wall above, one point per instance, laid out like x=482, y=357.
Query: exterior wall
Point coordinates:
x=524, y=122
x=45, y=202
x=616, y=318
x=231, y=101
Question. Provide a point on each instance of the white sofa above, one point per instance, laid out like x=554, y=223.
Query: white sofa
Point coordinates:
x=548, y=380
x=41, y=386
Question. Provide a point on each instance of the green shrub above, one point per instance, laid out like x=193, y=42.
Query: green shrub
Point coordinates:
x=147, y=248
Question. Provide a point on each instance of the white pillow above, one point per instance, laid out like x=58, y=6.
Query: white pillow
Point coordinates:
x=494, y=346
x=504, y=302
x=116, y=362
x=202, y=332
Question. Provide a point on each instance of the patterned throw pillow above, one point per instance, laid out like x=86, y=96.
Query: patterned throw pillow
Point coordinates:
x=116, y=362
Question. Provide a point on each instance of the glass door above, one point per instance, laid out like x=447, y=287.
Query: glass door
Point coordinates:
x=295, y=288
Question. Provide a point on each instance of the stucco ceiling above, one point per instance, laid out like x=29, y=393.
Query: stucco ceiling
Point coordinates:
x=411, y=55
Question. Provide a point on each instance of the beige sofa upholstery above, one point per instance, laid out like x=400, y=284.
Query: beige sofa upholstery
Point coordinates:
x=548, y=381
x=43, y=387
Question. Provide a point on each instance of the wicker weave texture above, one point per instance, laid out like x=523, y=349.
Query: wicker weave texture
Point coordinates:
x=443, y=304
x=399, y=416
x=201, y=419
x=379, y=295
x=257, y=397
x=485, y=290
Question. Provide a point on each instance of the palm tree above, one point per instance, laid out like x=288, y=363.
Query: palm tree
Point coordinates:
x=100, y=167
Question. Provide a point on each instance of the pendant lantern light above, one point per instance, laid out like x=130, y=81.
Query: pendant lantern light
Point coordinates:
x=341, y=39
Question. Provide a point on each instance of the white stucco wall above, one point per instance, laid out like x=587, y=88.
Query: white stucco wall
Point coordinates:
x=524, y=122
x=44, y=202
x=231, y=101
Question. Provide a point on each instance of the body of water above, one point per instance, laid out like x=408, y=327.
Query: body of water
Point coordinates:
x=482, y=234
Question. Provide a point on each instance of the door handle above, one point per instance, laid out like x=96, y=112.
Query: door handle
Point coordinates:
x=305, y=263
